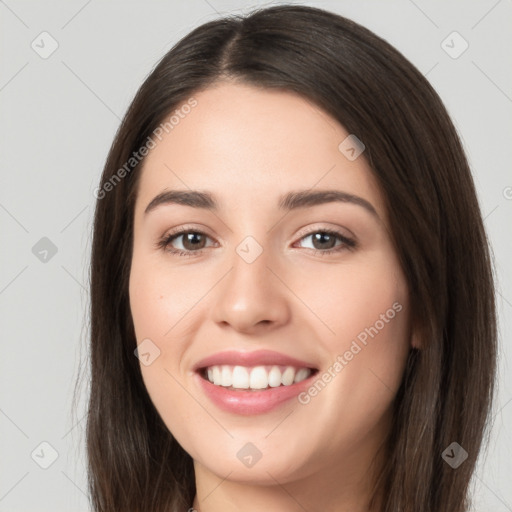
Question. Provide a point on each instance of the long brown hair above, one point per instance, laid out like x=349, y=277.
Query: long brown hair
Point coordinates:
x=134, y=463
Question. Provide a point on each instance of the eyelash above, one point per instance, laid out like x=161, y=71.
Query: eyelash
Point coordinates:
x=165, y=241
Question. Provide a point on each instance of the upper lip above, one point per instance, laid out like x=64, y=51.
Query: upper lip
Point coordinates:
x=253, y=358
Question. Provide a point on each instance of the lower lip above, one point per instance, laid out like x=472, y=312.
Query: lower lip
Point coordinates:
x=252, y=402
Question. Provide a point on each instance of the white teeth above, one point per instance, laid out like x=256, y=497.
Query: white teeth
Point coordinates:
x=274, y=377
x=227, y=376
x=302, y=374
x=240, y=377
x=257, y=377
x=288, y=376
x=217, y=378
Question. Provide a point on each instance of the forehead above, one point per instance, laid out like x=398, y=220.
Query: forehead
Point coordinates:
x=261, y=143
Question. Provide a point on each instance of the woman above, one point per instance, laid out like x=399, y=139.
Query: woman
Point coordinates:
x=236, y=363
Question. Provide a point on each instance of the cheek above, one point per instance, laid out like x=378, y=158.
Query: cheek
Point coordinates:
x=376, y=319
x=368, y=314
x=365, y=309
x=165, y=303
x=152, y=313
x=352, y=301
x=160, y=318
x=160, y=301
x=372, y=308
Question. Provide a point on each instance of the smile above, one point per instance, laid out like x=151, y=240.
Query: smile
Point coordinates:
x=255, y=378
x=252, y=382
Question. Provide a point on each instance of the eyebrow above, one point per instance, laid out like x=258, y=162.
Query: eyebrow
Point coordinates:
x=290, y=201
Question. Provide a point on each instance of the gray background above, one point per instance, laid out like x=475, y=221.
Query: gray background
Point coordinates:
x=58, y=118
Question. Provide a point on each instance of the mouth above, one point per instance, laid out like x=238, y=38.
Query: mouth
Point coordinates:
x=252, y=382
x=255, y=378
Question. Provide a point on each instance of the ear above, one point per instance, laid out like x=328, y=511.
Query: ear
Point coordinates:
x=415, y=340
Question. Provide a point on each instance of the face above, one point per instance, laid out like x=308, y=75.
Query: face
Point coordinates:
x=302, y=300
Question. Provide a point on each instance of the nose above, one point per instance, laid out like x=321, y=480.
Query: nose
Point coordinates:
x=252, y=295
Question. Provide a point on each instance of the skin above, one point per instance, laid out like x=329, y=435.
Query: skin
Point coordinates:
x=263, y=143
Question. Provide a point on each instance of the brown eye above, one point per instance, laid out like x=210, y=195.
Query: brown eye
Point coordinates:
x=324, y=241
x=192, y=241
